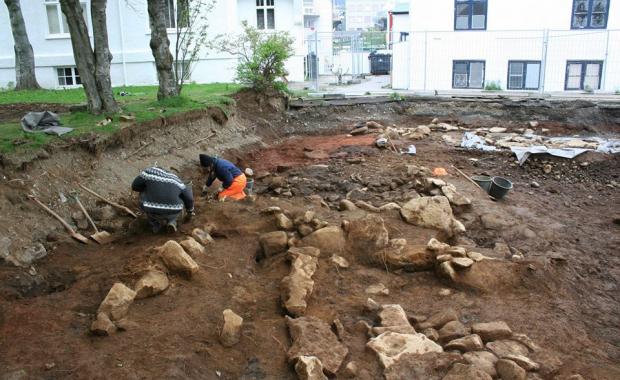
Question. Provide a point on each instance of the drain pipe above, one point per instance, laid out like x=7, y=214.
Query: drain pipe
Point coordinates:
x=122, y=29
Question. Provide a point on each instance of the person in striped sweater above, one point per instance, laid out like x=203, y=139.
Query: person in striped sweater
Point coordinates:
x=163, y=196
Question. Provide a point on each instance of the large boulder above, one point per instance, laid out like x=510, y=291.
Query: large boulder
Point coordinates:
x=176, y=259
x=466, y=372
x=467, y=343
x=429, y=366
x=273, y=243
x=432, y=212
x=408, y=257
x=284, y=223
x=390, y=346
x=313, y=337
x=509, y=370
x=309, y=368
x=330, y=240
x=503, y=348
x=116, y=303
x=231, y=331
x=152, y=283
x=453, y=330
x=454, y=197
x=298, y=285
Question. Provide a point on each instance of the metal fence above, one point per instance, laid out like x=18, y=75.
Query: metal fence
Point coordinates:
x=519, y=60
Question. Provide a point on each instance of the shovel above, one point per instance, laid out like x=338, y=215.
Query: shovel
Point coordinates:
x=113, y=204
x=101, y=237
x=76, y=235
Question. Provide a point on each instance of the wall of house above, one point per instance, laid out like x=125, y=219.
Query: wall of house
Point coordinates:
x=513, y=33
x=129, y=35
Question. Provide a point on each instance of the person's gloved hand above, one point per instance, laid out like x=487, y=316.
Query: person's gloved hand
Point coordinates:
x=190, y=213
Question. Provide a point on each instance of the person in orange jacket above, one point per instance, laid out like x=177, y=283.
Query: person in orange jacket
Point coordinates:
x=232, y=178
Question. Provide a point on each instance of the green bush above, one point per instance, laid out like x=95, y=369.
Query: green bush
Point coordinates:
x=493, y=86
x=261, y=57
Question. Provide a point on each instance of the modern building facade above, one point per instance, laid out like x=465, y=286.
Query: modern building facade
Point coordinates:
x=129, y=34
x=559, y=45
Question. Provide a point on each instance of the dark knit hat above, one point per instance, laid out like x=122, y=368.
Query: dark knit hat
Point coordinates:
x=206, y=160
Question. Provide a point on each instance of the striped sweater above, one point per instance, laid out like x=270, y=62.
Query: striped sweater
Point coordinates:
x=162, y=192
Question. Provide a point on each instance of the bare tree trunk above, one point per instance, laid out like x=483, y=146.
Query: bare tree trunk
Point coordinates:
x=82, y=52
x=160, y=46
x=24, y=56
x=103, y=57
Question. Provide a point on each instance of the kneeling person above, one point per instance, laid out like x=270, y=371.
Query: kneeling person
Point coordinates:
x=233, y=180
x=162, y=197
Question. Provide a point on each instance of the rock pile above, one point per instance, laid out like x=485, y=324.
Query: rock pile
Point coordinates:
x=449, y=349
x=450, y=259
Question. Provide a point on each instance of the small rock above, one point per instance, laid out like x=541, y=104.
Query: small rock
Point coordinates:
x=453, y=330
x=523, y=362
x=193, y=247
x=125, y=324
x=372, y=305
x=347, y=205
x=117, y=301
x=431, y=334
x=393, y=315
x=466, y=343
x=483, y=360
x=271, y=210
x=535, y=184
x=497, y=130
x=309, y=368
x=273, y=243
x=443, y=258
x=435, y=121
x=509, y=370
x=390, y=346
x=102, y=326
x=127, y=118
x=456, y=251
x=284, y=223
x=502, y=348
x=176, y=259
x=445, y=292
x=447, y=271
x=305, y=230
x=462, y=262
x=151, y=284
x=340, y=262
x=350, y=370
x=492, y=330
x=533, y=124
x=437, y=246
x=377, y=289
x=202, y=236
x=547, y=169
x=466, y=372
x=231, y=331
x=359, y=131
x=476, y=256
x=439, y=319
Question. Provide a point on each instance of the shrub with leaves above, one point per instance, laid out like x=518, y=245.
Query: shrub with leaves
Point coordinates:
x=261, y=57
x=493, y=86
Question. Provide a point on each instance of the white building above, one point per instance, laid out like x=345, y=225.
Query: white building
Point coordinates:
x=129, y=35
x=559, y=45
x=363, y=14
x=399, y=24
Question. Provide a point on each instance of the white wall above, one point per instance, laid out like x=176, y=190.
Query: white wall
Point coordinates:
x=133, y=61
x=513, y=33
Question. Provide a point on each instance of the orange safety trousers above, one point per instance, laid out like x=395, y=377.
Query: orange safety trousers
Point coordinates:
x=235, y=190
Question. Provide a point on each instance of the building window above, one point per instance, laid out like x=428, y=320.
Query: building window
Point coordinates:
x=468, y=74
x=404, y=36
x=56, y=20
x=590, y=14
x=184, y=70
x=523, y=75
x=470, y=14
x=68, y=76
x=265, y=14
x=583, y=75
x=177, y=11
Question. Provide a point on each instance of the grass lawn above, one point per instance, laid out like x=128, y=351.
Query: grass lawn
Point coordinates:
x=141, y=102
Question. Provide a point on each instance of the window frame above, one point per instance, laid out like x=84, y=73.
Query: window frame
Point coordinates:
x=525, y=63
x=589, y=17
x=60, y=15
x=469, y=62
x=265, y=7
x=175, y=5
x=584, y=65
x=471, y=13
x=74, y=75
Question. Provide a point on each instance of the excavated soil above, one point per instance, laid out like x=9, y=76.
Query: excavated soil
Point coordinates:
x=563, y=294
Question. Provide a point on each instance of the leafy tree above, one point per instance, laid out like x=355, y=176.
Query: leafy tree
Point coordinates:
x=261, y=57
x=160, y=46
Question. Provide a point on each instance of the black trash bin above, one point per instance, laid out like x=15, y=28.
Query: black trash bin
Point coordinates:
x=312, y=66
x=380, y=62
